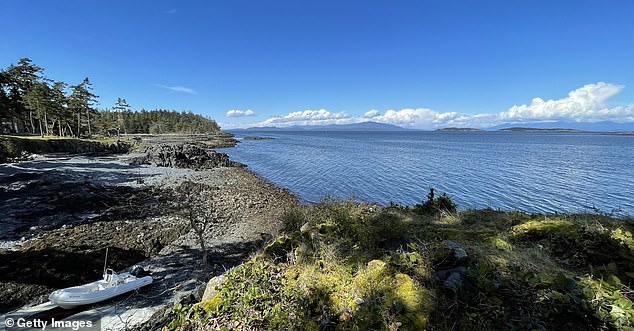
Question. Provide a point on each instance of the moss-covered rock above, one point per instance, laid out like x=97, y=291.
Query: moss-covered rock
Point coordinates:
x=414, y=302
x=210, y=304
x=539, y=229
x=372, y=278
x=280, y=247
x=213, y=286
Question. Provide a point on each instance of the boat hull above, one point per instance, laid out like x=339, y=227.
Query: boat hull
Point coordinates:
x=95, y=292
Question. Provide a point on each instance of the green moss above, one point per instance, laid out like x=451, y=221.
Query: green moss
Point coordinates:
x=499, y=243
x=280, y=247
x=360, y=267
x=542, y=228
x=370, y=277
x=623, y=236
x=211, y=304
x=416, y=302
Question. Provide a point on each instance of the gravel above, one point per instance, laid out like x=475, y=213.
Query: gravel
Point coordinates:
x=131, y=208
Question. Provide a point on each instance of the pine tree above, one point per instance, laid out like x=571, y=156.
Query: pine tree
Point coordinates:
x=19, y=79
x=81, y=101
x=121, y=107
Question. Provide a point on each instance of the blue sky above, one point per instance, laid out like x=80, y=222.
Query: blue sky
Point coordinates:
x=422, y=64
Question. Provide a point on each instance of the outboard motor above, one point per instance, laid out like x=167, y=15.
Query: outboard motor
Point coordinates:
x=138, y=271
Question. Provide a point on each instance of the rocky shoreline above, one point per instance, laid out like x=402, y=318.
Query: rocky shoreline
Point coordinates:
x=63, y=211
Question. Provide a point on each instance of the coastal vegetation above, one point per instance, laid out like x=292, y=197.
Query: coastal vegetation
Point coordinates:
x=353, y=266
x=32, y=103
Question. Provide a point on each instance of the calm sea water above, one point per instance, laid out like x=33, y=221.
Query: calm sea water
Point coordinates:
x=533, y=172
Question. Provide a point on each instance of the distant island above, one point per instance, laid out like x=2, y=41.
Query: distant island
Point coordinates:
x=452, y=129
x=257, y=138
x=523, y=129
x=619, y=133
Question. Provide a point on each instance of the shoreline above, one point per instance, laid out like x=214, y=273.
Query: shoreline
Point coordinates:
x=152, y=228
x=142, y=224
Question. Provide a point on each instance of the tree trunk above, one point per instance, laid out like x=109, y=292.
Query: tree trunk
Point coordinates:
x=78, y=123
x=31, y=118
x=46, y=123
x=88, y=117
x=39, y=117
x=201, y=238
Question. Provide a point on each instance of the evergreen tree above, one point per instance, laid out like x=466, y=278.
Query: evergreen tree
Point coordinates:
x=81, y=101
x=4, y=97
x=121, y=107
x=20, y=79
x=38, y=99
x=28, y=98
x=59, y=102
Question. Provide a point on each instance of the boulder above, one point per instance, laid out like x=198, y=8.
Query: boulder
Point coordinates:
x=458, y=252
x=212, y=287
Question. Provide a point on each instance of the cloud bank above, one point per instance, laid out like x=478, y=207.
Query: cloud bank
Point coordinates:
x=240, y=113
x=585, y=104
x=308, y=117
x=178, y=89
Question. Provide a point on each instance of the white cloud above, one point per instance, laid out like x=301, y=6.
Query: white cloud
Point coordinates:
x=179, y=89
x=585, y=104
x=308, y=117
x=371, y=114
x=411, y=117
x=240, y=113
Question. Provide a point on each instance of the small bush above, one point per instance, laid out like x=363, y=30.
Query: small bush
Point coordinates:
x=436, y=205
x=293, y=219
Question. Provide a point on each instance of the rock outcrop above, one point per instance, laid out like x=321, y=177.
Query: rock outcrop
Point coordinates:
x=183, y=156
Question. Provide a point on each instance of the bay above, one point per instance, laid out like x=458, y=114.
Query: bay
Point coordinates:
x=533, y=172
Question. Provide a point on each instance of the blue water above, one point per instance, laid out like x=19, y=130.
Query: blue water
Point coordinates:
x=532, y=172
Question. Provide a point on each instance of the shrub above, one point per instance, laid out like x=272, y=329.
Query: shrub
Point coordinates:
x=436, y=205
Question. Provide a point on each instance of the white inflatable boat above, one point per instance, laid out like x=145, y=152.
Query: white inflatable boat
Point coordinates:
x=110, y=286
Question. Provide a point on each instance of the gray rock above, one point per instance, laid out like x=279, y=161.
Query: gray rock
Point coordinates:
x=458, y=252
x=183, y=156
x=212, y=287
x=451, y=278
x=444, y=274
x=453, y=281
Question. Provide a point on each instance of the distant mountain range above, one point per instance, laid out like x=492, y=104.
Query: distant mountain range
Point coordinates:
x=508, y=127
x=363, y=126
